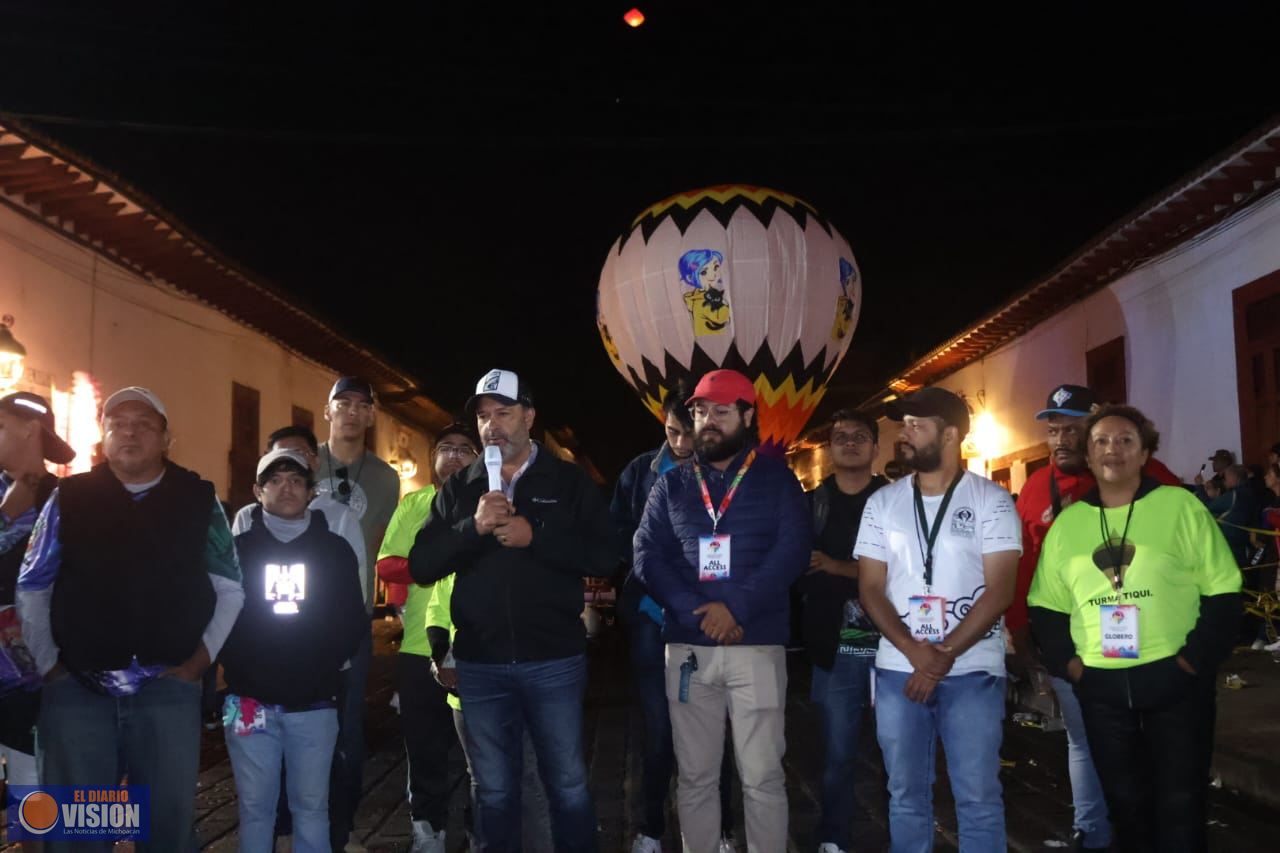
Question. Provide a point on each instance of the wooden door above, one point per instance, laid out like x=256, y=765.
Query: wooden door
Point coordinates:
x=245, y=450
x=1257, y=322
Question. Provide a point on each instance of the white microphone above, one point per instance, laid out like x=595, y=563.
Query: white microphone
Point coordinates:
x=493, y=461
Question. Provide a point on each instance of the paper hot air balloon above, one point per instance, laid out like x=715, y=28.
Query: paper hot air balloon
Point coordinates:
x=732, y=276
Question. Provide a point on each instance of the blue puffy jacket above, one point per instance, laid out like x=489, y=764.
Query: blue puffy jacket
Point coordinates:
x=771, y=535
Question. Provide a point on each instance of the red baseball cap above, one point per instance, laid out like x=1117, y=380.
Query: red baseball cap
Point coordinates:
x=725, y=387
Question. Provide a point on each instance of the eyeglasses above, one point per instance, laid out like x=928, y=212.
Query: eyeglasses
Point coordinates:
x=343, y=404
x=715, y=413
x=457, y=451
x=838, y=438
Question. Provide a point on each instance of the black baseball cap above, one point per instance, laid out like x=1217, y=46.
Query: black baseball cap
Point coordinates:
x=932, y=403
x=1073, y=401
x=33, y=407
x=353, y=384
x=1223, y=455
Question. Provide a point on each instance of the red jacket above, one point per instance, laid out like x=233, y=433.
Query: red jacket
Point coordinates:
x=1035, y=508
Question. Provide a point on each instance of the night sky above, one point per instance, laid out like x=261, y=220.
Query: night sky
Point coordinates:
x=444, y=180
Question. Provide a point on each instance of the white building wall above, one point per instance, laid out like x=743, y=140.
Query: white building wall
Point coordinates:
x=75, y=310
x=1176, y=317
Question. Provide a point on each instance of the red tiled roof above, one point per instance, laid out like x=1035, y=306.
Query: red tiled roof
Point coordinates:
x=1199, y=200
x=60, y=188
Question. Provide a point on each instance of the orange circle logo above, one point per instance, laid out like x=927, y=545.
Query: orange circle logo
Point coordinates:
x=38, y=812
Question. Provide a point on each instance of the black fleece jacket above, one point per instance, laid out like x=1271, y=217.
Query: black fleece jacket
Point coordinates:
x=519, y=604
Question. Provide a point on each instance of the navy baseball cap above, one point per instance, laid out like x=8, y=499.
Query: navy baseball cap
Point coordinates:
x=33, y=407
x=355, y=385
x=1073, y=401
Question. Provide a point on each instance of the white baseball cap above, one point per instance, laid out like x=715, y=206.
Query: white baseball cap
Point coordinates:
x=502, y=385
x=271, y=457
x=136, y=394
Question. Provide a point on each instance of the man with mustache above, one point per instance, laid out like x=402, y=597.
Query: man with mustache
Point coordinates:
x=129, y=588
x=520, y=553
x=937, y=560
x=720, y=544
x=1047, y=493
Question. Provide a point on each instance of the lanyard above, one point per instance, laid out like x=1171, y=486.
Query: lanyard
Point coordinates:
x=1116, y=558
x=1055, y=496
x=931, y=535
x=728, y=495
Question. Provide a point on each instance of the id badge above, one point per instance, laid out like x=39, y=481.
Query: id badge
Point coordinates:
x=1119, y=627
x=713, y=557
x=925, y=614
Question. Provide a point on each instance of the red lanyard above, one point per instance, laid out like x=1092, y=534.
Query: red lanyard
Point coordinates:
x=728, y=496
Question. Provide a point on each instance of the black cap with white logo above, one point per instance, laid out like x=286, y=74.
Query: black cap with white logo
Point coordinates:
x=1072, y=401
x=933, y=403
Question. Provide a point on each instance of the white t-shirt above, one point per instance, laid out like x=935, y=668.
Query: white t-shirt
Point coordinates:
x=981, y=519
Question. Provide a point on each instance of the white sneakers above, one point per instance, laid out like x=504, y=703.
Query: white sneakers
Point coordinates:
x=828, y=847
x=426, y=839
x=645, y=844
x=1274, y=647
x=1258, y=645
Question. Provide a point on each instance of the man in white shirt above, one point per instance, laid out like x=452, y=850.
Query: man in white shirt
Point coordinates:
x=938, y=556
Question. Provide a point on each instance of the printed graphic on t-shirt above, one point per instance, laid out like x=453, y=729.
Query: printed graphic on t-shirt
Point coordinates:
x=1113, y=559
x=963, y=522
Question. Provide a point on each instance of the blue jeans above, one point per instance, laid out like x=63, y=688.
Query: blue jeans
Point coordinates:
x=498, y=701
x=840, y=694
x=346, y=779
x=648, y=652
x=304, y=742
x=966, y=711
x=88, y=738
x=1086, y=788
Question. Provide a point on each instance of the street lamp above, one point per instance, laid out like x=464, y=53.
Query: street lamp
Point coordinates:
x=13, y=356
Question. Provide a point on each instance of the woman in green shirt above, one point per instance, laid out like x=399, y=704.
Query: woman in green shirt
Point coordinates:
x=1136, y=600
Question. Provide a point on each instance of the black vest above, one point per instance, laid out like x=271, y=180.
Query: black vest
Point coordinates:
x=11, y=560
x=133, y=579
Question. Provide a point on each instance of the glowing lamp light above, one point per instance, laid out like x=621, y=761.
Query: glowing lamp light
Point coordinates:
x=13, y=356
x=987, y=435
x=407, y=468
x=634, y=18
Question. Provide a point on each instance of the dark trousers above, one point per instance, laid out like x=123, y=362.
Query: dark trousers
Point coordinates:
x=426, y=722
x=649, y=674
x=346, y=778
x=1154, y=767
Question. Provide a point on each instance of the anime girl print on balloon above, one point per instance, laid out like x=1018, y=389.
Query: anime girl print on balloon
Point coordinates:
x=844, y=302
x=701, y=271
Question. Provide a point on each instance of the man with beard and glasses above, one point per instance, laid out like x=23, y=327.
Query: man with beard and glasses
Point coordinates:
x=937, y=561
x=720, y=544
x=1044, y=496
x=520, y=553
x=643, y=619
x=839, y=638
x=425, y=718
x=353, y=475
